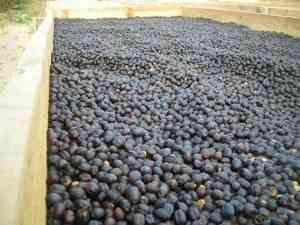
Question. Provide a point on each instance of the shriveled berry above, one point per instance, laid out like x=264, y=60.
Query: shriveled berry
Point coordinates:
x=165, y=212
x=138, y=219
x=228, y=211
x=180, y=217
x=193, y=213
x=77, y=192
x=249, y=209
x=133, y=194
x=53, y=198
x=98, y=213
x=109, y=221
x=69, y=217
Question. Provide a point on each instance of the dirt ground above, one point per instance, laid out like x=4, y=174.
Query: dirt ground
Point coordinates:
x=13, y=40
x=17, y=24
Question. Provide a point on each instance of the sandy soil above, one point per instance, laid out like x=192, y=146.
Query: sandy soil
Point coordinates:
x=13, y=40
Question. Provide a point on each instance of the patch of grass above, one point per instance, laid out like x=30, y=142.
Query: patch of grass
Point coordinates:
x=23, y=11
x=5, y=4
x=3, y=20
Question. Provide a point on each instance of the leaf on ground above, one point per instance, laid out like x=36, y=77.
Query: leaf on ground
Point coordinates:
x=75, y=184
x=296, y=185
x=273, y=191
x=200, y=203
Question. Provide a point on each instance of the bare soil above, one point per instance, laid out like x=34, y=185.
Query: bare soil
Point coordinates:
x=13, y=39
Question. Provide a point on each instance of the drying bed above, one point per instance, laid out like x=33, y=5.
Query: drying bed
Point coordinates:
x=173, y=121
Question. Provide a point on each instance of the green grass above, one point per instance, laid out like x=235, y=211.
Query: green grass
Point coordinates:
x=21, y=11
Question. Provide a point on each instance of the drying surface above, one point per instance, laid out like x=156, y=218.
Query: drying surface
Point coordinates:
x=173, y=121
